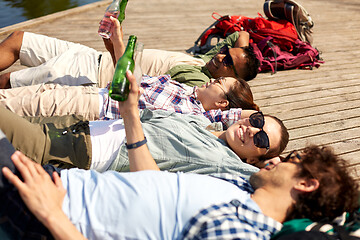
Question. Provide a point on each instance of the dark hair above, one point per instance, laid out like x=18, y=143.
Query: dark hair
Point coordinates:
x=337, y=192
x=252, y=64
x=284, y=139
x=240, y=96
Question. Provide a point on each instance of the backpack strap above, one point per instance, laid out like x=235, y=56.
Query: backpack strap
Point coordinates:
x=289, y=12
x=271, y=45
x=196, y=49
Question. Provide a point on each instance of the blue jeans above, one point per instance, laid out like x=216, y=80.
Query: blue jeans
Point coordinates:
x=16, y=220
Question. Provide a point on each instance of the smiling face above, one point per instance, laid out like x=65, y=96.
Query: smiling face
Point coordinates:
x=219, y=67
x=212, y=94
x=240, y=137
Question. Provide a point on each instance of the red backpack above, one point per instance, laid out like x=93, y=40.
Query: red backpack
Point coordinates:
x=283, y=32
x=272, y=58
x=276, y=43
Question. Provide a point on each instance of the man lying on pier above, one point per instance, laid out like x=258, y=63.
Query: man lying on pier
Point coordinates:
x=57, y=61
x=149, y=204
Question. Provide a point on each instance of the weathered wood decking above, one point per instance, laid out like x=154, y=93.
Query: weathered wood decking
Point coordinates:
x=319, y=106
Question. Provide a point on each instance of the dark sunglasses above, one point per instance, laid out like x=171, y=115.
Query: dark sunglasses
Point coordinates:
x=261, y=139
x=291, y=155
x=227, y=61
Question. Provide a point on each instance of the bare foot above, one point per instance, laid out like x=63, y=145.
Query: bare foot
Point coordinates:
x=5, y=80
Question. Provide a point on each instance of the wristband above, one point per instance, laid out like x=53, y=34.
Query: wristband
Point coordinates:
x=136, y=145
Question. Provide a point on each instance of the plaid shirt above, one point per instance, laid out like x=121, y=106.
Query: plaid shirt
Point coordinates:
x=163, y=93
x=232, y=220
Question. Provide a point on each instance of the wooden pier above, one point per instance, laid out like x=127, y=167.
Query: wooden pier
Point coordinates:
x=320, y=106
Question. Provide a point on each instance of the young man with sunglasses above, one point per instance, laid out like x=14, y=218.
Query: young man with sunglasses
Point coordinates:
x=162, y=205
x=178, y=142
x=74, y=64
x=232, y=57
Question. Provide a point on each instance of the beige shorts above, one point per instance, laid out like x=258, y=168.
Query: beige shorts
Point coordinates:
x=153, y=62
x=56, y=61
x=52, y=100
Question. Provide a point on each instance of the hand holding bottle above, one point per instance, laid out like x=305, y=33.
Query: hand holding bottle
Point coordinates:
x=115, y=44
x=119, y=88
x=116, y=33
x=134, y=94
x=117, y=10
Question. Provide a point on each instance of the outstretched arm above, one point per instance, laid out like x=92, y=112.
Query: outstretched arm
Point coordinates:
x=246, y=113
x=140, y=157
x=42, y=196
x=115, y=44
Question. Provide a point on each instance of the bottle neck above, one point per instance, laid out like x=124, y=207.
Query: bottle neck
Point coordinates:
x=130, y=47
x=114, y=6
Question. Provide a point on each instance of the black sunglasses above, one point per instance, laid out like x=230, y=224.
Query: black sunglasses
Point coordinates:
x=261, y=139
x=227, y=60
x=291, y=155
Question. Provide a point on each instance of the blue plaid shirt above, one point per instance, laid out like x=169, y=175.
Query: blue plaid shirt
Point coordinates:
x=163, y=93
x=232, y=220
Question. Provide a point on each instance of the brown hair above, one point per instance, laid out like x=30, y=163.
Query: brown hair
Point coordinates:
x=337, y=192
x=240, y=96
x=252, y=64
x=284, y=140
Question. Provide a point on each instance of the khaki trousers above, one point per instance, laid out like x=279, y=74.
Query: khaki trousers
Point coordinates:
x=153, y=62
x=62, y=141
x=48, y=100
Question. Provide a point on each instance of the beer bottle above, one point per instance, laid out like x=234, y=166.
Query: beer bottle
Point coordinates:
x=119, y=88
x=122, y=7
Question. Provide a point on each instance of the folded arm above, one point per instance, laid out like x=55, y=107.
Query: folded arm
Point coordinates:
x=243, y=39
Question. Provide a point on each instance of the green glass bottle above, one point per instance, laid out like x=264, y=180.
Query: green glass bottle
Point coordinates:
x=119, y=88
x=122, y=6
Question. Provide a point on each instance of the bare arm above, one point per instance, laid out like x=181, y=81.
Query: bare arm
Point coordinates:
x=115, y=44
x=243, y=39
x=117, y=39
x=139, y=158
x=246, y=113
x=42, y=196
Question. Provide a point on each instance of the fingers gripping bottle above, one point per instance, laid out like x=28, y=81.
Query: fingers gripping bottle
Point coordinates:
x=115, y=9
x=119, y=88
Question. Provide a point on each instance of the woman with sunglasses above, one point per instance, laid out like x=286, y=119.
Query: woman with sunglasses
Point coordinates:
x=178, y=142
x=220, y=100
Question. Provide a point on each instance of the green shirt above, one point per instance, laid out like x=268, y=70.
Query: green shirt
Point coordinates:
x=197, y=75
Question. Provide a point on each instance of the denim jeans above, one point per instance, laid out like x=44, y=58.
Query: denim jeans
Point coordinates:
x=16, y=220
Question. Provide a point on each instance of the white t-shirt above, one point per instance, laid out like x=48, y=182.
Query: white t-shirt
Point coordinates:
x=106, y=138
x=140, y=205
